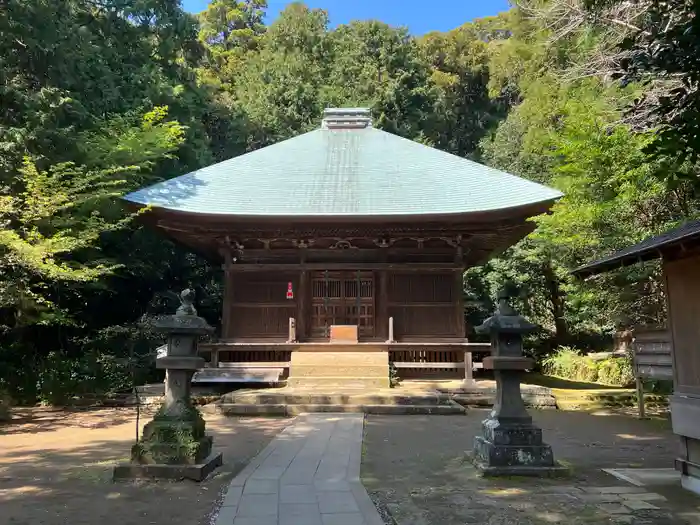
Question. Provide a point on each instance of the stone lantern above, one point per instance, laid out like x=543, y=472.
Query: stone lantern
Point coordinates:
x=510, y=443
x=174, y=444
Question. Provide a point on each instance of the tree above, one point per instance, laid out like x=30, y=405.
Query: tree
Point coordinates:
x=229, y=24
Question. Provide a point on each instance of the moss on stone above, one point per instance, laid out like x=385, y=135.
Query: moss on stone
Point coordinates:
x=176, y=435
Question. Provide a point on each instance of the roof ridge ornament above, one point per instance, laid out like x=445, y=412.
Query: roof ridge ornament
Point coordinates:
x=346, y=118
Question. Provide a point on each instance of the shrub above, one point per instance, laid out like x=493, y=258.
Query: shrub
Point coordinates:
x=615, y=371
x=568, y=363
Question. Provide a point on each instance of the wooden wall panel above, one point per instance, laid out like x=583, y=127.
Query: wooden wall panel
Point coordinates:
x=683, y=290
x=421, y=288
x=259, y=308
x=417, y=321
x=423, y=306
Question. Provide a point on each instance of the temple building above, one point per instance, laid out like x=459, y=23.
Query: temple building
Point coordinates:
x=343, y=251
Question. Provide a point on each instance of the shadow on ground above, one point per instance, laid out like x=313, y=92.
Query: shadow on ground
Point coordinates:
x=56, y=469
x=417, y=468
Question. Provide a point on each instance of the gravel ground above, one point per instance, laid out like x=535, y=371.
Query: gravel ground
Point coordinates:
x=417, y=471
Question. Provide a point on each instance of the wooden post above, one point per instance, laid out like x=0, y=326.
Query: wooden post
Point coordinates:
x=214, y=362
x=459, y=303
x=292, y=336
x=640, y=396
x=382, y=320
x=468, y=367
x=302, y=328
x=391, y=339
x=227, y=307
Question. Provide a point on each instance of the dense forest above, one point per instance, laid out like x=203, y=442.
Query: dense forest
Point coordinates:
x=598, y=98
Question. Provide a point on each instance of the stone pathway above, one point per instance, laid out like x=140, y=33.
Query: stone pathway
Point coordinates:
x=308, y=475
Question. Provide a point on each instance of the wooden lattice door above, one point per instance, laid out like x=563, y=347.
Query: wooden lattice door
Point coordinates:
x=345, y=298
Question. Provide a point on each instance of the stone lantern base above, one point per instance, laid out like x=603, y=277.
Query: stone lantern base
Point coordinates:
x=173, y=446
x=514, y=450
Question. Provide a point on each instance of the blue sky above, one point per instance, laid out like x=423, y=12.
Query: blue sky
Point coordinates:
x=420, y=16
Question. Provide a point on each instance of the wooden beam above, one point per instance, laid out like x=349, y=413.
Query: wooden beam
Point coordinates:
x=401, y=267
x=376, y=252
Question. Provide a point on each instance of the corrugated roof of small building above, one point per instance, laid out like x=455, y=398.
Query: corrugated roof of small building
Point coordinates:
x=646, y=250
x=346, y=169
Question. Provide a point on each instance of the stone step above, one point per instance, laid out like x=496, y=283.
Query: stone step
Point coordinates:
x=315, y=370
x=488, y=400
x=338, y=381
x=336, y=358
x=241, y=409
x=253, y=398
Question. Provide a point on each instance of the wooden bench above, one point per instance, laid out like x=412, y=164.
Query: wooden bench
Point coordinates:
x=258, y=372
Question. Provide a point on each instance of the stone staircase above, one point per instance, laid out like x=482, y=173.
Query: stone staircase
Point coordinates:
x=339, y=369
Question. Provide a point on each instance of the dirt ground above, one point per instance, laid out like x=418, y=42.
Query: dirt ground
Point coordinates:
x=55, y=468
x=418, y=470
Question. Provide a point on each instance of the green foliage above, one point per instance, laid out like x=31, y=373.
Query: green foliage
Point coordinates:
x=568, y=132
x=662, y=52
x=394, y=379
x=568, y=363
x=102, y=97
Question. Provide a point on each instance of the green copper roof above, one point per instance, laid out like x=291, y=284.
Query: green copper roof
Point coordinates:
x=346, y=168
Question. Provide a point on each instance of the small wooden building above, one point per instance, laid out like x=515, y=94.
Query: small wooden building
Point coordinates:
x=679, y=250
x=349, y=236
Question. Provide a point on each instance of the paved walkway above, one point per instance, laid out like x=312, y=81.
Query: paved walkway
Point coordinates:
x=308, y=475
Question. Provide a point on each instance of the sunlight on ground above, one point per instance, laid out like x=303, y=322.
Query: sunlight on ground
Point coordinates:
x=638, y=438
x=550, y=517
x=504, y=492
x=23, y=492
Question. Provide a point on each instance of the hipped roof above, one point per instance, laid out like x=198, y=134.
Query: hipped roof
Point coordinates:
x=347, y=168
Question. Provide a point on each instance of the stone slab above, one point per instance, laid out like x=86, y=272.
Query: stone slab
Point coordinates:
x=169, y=472
x=343, y=358
x=242, y=409
x=649, y=476
x=338, y=370
x=307, y=475
x=333, y=381
x=542, y=401
x=526, y=471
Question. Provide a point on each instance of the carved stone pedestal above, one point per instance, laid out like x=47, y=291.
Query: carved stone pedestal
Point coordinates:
x=510, y=444
x=174, y=444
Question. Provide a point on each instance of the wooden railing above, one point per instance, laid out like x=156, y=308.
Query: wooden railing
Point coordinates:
x=418, y=359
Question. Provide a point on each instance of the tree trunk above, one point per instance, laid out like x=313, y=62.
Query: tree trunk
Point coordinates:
x=556, y=299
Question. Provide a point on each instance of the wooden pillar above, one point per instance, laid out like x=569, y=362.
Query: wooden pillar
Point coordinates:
x=382, y=318
x=303, y=306
x=468, y=367
x=227, y=307
x=459, y=304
